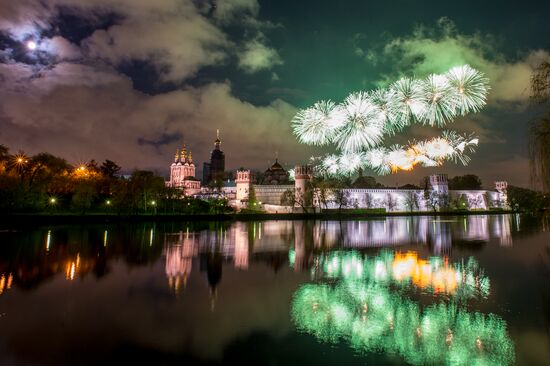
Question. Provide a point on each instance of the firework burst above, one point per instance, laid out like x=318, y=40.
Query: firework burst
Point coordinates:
x=358, y=125
x=471, y=88
x=316, y=125
x=363, y=125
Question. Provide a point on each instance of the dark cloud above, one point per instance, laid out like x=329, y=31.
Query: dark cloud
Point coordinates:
x=127, y=79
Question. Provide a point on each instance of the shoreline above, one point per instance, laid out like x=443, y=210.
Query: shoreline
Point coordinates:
x=63, y=218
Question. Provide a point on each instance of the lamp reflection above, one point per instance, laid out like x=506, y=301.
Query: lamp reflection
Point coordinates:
x=5, y=282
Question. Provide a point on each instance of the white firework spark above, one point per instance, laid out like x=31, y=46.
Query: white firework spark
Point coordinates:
x=377, y=160
x=441, y=100
x=471, y=88
x=363, y=125
x=357, y=126
x=330, y=165
x=316, y=125
x=386, y=101
x=411, y=101
x=349, y=163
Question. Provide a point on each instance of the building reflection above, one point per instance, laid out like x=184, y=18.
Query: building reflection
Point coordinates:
x=180, y=250
x=270, y=242
x=28, y=260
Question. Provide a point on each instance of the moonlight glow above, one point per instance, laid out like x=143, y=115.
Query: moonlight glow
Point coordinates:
x=31, y=45
x=358, y=125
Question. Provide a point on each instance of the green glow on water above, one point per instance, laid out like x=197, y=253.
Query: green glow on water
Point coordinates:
x=371, y=318
x=365, y=304
x=461, y=280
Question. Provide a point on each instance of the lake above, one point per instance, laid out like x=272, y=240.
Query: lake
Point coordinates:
x=400, y=290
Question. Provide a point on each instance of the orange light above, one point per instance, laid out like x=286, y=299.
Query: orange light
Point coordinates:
x=407, y=266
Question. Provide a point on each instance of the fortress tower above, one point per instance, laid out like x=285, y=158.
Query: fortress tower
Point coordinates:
x=302, y=176
x=243, y=182
x=439, y=183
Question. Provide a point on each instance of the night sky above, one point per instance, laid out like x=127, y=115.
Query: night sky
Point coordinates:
x=131, y=80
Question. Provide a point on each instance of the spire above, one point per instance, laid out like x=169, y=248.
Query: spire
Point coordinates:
x=190, y=157
x=177, y=156
x=217, y=143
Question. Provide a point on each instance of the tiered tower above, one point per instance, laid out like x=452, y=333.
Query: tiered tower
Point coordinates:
x=215, y=170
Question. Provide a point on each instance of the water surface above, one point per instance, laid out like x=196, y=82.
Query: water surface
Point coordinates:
x=400, y=290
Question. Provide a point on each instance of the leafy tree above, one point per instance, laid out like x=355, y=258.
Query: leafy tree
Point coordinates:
x=252, y=202
x=540, y=83
x=527, y=200
x=84, y=196
x=44, y=166
x=465, y=182
x=539, y=131
x=109, y=168
x=288, y=198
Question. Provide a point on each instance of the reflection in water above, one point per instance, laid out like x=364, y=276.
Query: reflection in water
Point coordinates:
x=179, y=261
x=461, y=280
x=73, y=254
x=406, y=288
x=243, y=240
x=372, y=318
x=5, y=282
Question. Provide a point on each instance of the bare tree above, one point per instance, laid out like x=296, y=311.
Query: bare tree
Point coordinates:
x=341, y=198
x=368, y=200
x=391, y=202
x=411, y=201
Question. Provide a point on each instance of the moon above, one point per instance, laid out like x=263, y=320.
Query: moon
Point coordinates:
x=31, y=45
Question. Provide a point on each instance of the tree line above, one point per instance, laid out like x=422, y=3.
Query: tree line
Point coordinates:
x=47, y=183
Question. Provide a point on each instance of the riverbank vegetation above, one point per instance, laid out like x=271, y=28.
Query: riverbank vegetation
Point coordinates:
x=47, y=184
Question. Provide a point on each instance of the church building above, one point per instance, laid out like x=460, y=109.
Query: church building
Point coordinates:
x=182, y=173
x=275, y=175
